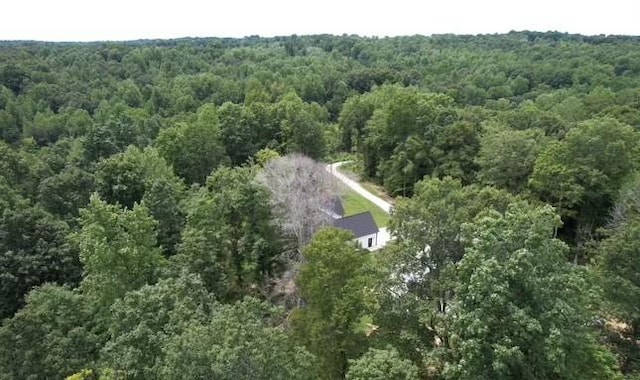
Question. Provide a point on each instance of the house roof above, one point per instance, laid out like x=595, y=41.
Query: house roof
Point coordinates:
x=360, y=224
x=334, y=205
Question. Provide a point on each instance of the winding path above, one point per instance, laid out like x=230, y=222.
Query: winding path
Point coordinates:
x=383, y=236
x=355, y=186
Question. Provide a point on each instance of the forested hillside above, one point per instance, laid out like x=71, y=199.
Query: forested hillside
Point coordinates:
x=145, y=233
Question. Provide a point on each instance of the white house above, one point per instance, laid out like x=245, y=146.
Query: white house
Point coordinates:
x=363, y=227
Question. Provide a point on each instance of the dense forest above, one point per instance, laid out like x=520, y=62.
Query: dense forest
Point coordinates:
x=139, y=240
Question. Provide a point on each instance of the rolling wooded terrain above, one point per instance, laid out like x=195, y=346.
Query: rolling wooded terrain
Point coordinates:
x=140, y=239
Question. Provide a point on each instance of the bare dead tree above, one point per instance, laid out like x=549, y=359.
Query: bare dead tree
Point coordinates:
x=300, y=190
x=628, y=203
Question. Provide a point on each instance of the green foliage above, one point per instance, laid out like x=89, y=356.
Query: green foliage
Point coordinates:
x=194, y=149
x=336, y=285
x=45, y=128
x=455, y=150
x=356, y=111
x=10, y=130
x=13, y=77
x=419, y=289
x=522, y=309
x=12, y=165
x=548, y=117
x=229, y=238
x=118, y=250
x=530, y=116
x=52, y=336
x=120, y=179
x=404, y=134
x=301, y=126
x=381, y=365
x=10, y=199
x=78, y=122
x=240, y=341
x=402, y=114
x=99, y=143
x=580, y=174
x=85, y=374
x=114, y=135
x=163, y=199
x=126, y=177
x=263, y=156
x=144, y=320
x=617, y=260
x=65, y=193
x=239, y=132
x=506, y=157
x=138, y=175
x=33, y=250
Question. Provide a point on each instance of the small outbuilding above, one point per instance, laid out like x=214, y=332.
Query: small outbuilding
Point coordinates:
x=363, y=227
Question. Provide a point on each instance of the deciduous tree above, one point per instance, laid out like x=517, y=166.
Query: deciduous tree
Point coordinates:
x=506, y=157
x=416, y=296
x=53, y=336
x=240, y=341
x=65, y=193
x=144, y=320
x=194, y=149
x=229, y=238
x=336, y=284
x=33, y=250
x=126, y=177
x=302, y=126
x=300, y=188
x=521, y=309
x=118, y=250
x=617, y=260
x=385, y=364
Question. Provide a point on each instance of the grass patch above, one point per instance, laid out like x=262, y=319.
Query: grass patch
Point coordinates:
x=355, y=203
x=351, y=168
x=377, y=190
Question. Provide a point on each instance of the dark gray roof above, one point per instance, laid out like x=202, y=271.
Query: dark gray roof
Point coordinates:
x=360, y=224
x=335, y=206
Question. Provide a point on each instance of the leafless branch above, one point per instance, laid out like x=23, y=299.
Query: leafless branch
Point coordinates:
x=300, y=188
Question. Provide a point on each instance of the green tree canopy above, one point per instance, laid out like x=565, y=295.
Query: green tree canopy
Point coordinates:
x=124, y=178
x=617, y=264
x=336, y=286
x=229, y=238
x=118, y=250
x=384, y=364
x=301, y=125
x=506, y=157
x=65, y=193
x=580, y=174
x=194, y=149
x=417, y=294
x=241, y=341
x=144, y=320
x=53, y=336
x=33, y=250
x=521, y=309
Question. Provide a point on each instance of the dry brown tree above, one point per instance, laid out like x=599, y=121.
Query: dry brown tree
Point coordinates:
x=300, y=190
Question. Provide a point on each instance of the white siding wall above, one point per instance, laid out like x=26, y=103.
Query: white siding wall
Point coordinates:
x=364, y=241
